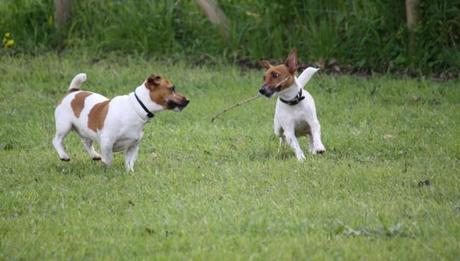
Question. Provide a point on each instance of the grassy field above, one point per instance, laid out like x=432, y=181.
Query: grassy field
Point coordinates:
x=388, y=187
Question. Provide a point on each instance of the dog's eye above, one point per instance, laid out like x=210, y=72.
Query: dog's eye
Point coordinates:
x=275, y=75
x=173, y=88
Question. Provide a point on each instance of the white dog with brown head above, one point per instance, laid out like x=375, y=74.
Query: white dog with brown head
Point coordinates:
x=117, y=123
x=295, y=113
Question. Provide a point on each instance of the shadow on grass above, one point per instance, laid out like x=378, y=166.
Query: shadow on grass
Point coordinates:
x=84, y=167
x=391, y=231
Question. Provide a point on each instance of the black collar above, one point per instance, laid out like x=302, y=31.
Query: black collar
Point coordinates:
x=298, y=98
x=149, y=114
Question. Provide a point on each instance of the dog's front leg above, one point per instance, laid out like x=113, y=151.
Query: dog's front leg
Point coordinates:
x=282, y=141
x=292, y=141
x=107, y=150
x=131, y=156
x=279, y=132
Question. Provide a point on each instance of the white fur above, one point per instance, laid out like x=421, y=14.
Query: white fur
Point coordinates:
x=123, y=125
x=77, y=81
x=289, y=118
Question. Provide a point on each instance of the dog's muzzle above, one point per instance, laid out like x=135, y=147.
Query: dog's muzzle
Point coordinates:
x=178, y=106
x=267, y=91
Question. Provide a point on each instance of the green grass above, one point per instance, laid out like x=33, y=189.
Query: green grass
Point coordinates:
x=387, y=188
x=363, y=35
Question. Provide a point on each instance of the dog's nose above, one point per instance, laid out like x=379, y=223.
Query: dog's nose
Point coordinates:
x=262, y=91
x=184, y=102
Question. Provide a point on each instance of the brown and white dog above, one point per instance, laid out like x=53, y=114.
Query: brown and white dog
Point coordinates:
x=117, y=124
x=295, y=113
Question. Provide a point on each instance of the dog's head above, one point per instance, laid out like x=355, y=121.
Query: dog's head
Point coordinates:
x=163, y=92
x=279, y=77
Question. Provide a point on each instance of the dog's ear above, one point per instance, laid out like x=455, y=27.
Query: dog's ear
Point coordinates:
x=153, y=80
x=265, y=64
x=291, y=61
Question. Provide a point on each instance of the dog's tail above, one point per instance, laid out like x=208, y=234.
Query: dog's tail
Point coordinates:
x=76, y=82
x=306, y=75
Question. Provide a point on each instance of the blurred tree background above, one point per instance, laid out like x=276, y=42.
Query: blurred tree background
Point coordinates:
x=411, y=36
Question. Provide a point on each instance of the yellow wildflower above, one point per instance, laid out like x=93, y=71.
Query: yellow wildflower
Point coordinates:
x=8, y=41
x=50, y=21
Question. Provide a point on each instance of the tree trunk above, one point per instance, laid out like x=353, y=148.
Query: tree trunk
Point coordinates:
x=215, y=15
x=412, y=20
x=61, y=12
x=412, y=15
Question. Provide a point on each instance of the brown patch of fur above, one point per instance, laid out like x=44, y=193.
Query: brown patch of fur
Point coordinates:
x=161, y=91
x=291, y=61
x=282, y=73
x=78, y=102
x=68, y=92
x=275, y=75
x=96, y=116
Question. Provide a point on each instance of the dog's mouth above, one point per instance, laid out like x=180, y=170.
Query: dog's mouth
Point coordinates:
x=177, y=106
x=268, y=91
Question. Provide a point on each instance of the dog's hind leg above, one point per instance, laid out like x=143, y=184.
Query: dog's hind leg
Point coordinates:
x=88, y=143
x=316, y=146
x=107, y=150
x=62, y=129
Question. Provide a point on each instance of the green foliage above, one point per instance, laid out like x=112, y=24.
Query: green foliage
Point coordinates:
x=362, y=34
x=29, y=22
x=387, y=188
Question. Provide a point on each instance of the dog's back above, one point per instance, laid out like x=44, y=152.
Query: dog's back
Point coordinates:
x=78, y=108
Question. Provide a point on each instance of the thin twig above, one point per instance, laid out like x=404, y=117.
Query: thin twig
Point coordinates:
x=235, y=105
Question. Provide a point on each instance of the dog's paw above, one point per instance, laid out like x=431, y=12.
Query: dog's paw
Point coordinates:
x=321, y=151
x=106, y=162
x=96, y=158
x=318, y=149
x=300, y=157
x=65, y=159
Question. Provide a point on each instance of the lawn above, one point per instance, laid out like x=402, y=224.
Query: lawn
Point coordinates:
x=388, y=187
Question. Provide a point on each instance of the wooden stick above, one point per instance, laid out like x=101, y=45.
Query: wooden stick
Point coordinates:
x=234, y=106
